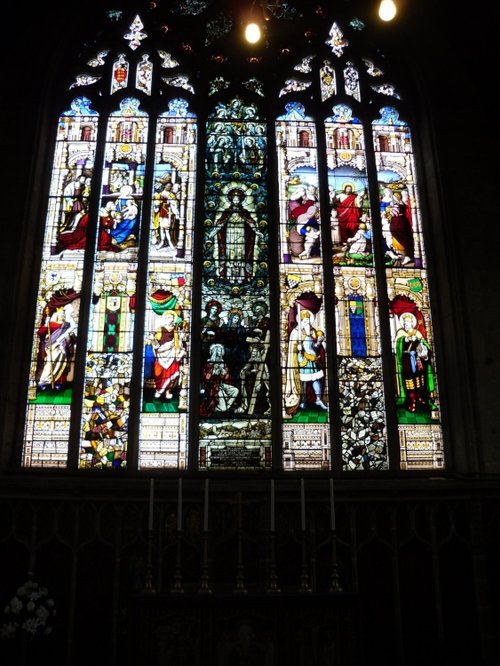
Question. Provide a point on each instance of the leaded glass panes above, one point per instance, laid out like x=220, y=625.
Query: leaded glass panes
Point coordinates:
x=417, y=399
x=360, y=375
x=351, y=81
x=121, y=68
x=302, y=302
x=284, y=242
x=144, y=75
x=52, y=367
x=167, y=348
x=327, y=80
x=235, y=424
x=110, y=343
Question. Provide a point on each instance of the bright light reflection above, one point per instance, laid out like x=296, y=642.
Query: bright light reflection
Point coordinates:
x=387, y=10
x=252, y=33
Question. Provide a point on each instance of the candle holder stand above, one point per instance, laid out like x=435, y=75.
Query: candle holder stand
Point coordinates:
x=334, y=576
x=205, y=579
x=272, y=586
x=177, y=586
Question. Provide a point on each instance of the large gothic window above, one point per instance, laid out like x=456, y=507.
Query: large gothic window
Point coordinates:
x=233, y=272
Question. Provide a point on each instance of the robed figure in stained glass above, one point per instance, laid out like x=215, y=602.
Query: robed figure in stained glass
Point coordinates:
x=57, y=340
x=237, y=238
x=306, y=355
x=413, y=365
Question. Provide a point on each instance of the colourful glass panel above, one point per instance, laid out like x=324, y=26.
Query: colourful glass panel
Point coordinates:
x=294, y=85
x=351, y=81
x=235, y=427
x=327, y=80
x=305, y=428
x=119, y=77
x=361, y=392
x=164, y=431
x=135, y=34
x=144, y=75
x=417, y=399
x=179, y=81
x=337, y=41
x=50, y=391
x=108, y=367
x=305, y=65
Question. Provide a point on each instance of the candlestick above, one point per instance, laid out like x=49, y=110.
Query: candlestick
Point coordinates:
x=272, y=506
x=302, y=505
x=205, y=508
x=179, y=506
x=151, y=503
x=332, y=507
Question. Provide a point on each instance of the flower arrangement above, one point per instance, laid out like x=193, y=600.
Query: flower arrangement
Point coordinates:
x=30, y=611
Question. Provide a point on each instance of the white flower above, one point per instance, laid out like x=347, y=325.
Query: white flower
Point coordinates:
x=16, y=605
x=42, y=613
x=8, y=629
x=29, y=611
x=31, y=626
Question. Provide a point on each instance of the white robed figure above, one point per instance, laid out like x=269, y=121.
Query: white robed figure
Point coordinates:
x=304, y=367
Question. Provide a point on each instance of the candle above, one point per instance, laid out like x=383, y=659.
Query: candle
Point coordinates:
x=179, y=506
x=272, y=506
x=302, y=505
x=332, y=507
x=151, y=502
x=205, y=512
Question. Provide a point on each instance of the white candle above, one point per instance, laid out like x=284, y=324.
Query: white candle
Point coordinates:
x=205, y=508
x=272, y=506
x=332, y=507
x=151, y=503
x=302, y=505
x=179, y=506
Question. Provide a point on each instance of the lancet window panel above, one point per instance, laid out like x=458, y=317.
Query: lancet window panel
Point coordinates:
x=235, y=405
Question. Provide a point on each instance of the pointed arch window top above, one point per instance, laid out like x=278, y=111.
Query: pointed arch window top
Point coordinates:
x=129, y=107
x=178, y=108
x=294, y=111
x=135, y=36
x=389, y=116
x=342, y=114
x=337, y=42
x=80, y=107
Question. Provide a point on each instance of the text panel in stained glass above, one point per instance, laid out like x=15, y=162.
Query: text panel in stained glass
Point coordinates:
x=108, y=365
x=50, y=393
x=167, y=348
x=305, y=428
x=235, y=426
x=361, y=392
x=417, y=398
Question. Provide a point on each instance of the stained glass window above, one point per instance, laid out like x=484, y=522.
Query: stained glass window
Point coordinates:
x=233, y=273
